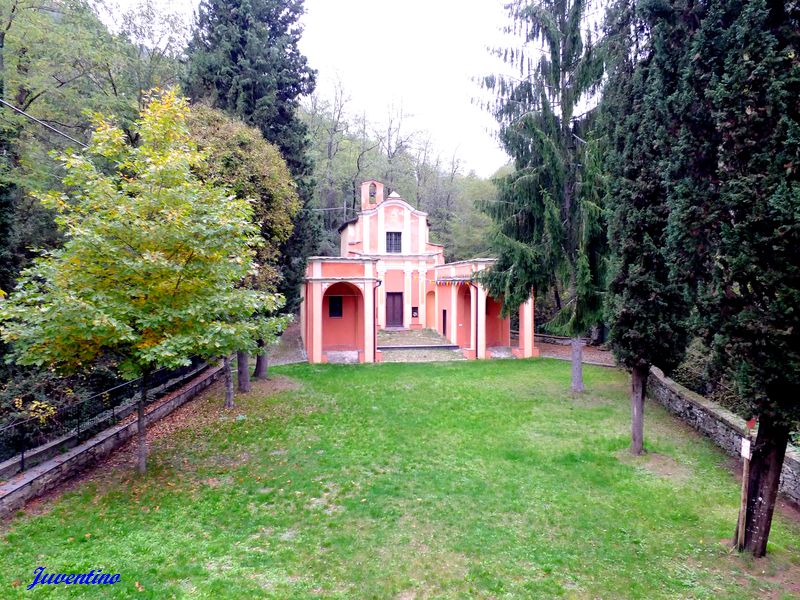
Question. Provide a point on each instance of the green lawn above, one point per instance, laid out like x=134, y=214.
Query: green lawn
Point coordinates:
x=458, y=480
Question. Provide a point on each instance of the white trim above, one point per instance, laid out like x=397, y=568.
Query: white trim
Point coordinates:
x=406, y=241
x=454, y=316
x=367, y=241
x=381, y=230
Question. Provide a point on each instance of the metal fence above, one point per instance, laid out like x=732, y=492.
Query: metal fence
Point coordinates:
x=77, y=422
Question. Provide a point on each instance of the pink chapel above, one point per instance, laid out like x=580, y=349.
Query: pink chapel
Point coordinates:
x=390, y=277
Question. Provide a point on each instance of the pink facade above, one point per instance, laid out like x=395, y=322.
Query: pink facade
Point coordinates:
x=388, y=275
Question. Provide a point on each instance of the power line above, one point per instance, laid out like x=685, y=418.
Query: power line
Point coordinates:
x=42, y=123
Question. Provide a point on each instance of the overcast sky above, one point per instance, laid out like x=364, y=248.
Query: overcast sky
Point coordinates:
x=420, y=55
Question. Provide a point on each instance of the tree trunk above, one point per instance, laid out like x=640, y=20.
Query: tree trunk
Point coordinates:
x=226, y=367
x=142, y=430
x=262, y=362
x=243, y=371
x=638, y=387
x=577, y=365
x=765, y=474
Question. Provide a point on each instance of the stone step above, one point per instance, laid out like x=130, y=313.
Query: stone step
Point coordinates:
x=420, y=347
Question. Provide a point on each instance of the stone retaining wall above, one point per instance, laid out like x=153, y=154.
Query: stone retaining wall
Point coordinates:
x=721, y=425
x=37, y=455
x=36, y=481
x=545, y=338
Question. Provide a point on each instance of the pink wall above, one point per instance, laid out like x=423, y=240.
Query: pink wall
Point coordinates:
x=342, y=269
x=373, y=233
x=443, y=293
x=498, y=329
x=347, y=332
x=394, y=281
x=465, y=316
x=415, y=245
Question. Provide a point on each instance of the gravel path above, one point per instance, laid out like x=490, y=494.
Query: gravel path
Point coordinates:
x=591, y=354
x=289, y=348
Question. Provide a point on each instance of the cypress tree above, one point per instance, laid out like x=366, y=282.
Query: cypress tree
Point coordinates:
x=646, y=306
x=244, y=59
x=745, y=259
x=549, y=223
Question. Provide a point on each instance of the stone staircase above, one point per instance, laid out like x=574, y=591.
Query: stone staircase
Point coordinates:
x=416, y=345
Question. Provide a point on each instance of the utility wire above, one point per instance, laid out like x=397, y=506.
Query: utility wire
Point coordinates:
x=42, y=123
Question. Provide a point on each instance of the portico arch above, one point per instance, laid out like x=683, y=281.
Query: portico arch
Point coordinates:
x=343, y=318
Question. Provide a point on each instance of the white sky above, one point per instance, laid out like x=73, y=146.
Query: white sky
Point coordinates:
x=420, y=55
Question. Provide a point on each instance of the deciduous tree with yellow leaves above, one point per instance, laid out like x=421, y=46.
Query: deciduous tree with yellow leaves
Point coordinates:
x=152, y=263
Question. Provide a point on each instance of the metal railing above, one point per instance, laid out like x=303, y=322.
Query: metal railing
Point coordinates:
x=74, y=423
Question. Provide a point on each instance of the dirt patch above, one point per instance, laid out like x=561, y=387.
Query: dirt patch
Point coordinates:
x=273, y=385
x=772, y=577
x=658, y=464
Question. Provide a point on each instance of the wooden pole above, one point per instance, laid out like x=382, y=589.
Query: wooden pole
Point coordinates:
x=740, y=529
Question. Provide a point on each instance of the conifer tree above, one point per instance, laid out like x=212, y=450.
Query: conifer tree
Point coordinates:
x=740, y=236
x=646, y=306
x=550, y=236
x=244, y=59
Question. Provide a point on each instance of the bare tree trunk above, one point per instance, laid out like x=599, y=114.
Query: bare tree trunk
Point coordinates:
x=243, y=371
x=765, y=473
x=142, y=430
x=226, y=367
x=262, y=362
x=577, y=365
x=638, y=387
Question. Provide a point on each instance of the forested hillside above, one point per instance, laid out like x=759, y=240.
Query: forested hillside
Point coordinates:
x=349, y=148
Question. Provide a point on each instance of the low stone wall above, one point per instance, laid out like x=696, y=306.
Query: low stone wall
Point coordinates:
x=545, y=338
x=38, y=455
x=721, y=425
x=36, y=481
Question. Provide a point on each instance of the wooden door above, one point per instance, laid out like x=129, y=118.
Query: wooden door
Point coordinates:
x=394, y=309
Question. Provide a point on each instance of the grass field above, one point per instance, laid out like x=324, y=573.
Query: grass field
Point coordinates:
x=458, y=480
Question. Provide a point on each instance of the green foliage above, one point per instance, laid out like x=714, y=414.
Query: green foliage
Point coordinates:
x=61, y=63
x=152, y=260
x=549, y=226
x=698, y=371
x=744, y=265
x=243, y=58
x=646, y=306
x=40, y=392
x=239, y=157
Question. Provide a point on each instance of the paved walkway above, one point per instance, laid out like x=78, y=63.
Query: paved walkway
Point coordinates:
x=290, y=348
x=421, y=355
x=411, y=337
